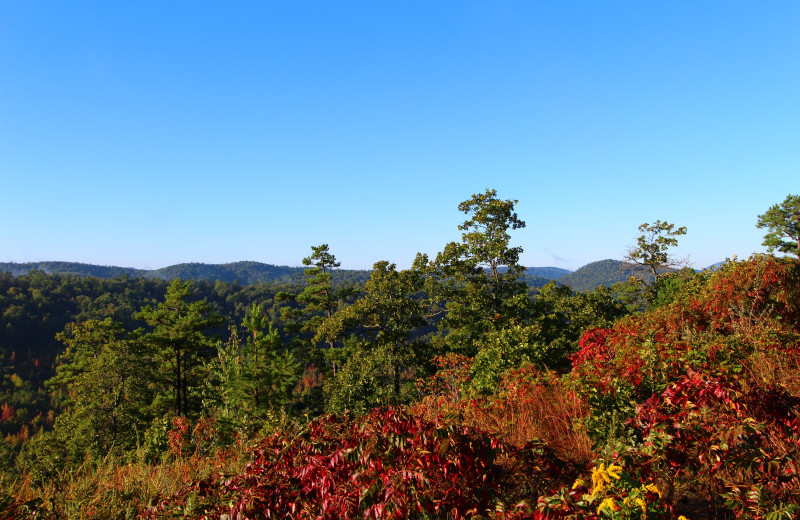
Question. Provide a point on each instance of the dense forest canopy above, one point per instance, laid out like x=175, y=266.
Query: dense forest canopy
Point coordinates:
x=455, y=388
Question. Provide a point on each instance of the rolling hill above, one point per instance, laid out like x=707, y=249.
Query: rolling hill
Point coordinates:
x=603, y=272
x=247, y=272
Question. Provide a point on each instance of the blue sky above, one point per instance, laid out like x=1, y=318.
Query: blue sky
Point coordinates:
x=148, y=133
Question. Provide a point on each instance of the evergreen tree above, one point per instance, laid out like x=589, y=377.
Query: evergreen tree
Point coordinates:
x=318, y=302
x=783, y=223
x=253, y=377
x=179, y=344
x=270, y=370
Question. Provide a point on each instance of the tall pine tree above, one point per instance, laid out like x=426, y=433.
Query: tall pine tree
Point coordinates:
x=318, y=302
x=179, y=344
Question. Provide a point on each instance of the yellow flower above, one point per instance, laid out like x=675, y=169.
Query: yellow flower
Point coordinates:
x=602, y=475
x=654, y=489
x=682, y=518
x=614, y=470
x=578, y=483
x=599, y=478
x=642, y=504
x=607, y=504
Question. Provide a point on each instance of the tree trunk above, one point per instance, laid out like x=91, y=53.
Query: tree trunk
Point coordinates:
x=178, y=404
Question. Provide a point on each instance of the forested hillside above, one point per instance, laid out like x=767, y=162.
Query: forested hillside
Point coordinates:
x=245, y=273
x=602, y=272
x=446, y=390
x=73, y=268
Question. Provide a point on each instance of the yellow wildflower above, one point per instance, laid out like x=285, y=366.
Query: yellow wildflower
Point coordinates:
x=682, y=518
x=608, y=503
x=578, y=483
x=599, y=478
x=654, y=489
x=640, y=501
x=602, y=475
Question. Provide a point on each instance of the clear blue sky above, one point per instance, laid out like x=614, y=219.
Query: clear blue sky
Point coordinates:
x=149, y=133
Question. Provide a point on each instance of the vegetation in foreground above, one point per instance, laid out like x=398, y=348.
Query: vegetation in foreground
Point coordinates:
x=442, y=391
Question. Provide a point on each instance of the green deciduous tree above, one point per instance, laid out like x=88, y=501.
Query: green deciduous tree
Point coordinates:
x=179, y=344
x=652, y=248
x=103, y=389
x=104, y=378
x=382, y=325
x=480, y=279
x=550, y=334
x=563, y=315
x=782, y=222
x=651, y=262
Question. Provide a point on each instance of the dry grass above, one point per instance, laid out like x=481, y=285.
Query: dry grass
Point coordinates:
x=113, y=490
x=544, y=409
x=528, y=406
x=776, y=367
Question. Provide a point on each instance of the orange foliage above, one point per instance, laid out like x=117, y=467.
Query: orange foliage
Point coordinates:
x=530, y=405
x=747, y=313
x=7, y=413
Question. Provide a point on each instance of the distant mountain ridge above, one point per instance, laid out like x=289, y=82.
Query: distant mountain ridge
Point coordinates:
x=603, y=272
x=607, y=272
x=76, y=268
x=550, y=273
x=246, y=272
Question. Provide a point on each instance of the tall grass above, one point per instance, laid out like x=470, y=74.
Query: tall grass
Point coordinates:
x=529, y=405
x=113, y=489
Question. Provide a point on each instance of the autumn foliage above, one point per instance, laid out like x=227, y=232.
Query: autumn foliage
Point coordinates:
x=386, y=464
x=688, y=410
x=704, y=391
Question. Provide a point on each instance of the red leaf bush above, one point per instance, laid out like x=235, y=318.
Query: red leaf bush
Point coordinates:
x=721, y=326
x=693, y=407
x=702, y=394
x=386, y=464
x=723, y=438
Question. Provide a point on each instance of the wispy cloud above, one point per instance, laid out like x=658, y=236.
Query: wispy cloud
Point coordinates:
x=557, y=258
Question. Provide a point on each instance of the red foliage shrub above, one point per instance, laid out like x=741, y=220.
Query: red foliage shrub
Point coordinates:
x=749, y=295
x=452, y=376
x=746, y=307
x=709, y=388
x=187, y=438
x=386, y=464
x=699, y=398
x=724, y=439
x=180, y=435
